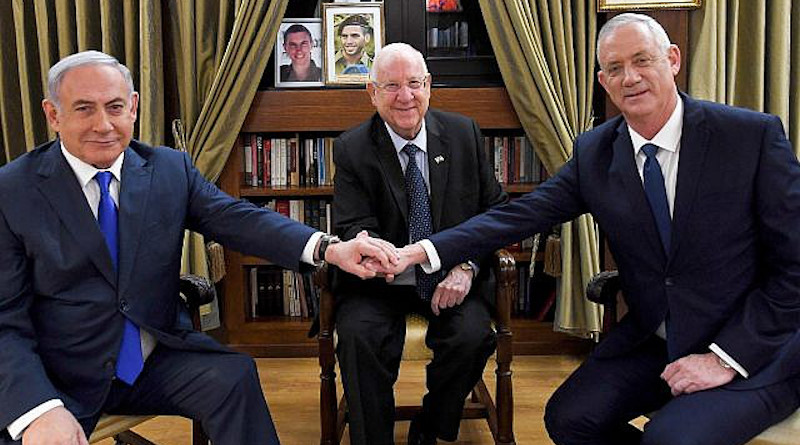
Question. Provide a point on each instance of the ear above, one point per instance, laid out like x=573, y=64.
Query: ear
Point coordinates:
x=51, y=113
x=601, y=77
x=372, y=91
x=134, y=105
x=674, y=58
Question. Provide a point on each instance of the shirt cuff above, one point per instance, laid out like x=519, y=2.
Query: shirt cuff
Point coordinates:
x=728, y=359
x=17, y=427
x=308, y=251
x=475, y=268
x=434, y=263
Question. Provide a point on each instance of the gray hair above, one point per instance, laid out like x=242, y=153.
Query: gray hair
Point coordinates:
x=393, y=51
x=618, y=21
x=57, y=71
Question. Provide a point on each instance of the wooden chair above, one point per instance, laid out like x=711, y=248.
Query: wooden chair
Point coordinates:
x=604, y=288
x=479, y=406
x=197, y=291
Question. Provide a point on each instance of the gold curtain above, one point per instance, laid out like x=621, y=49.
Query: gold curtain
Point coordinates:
x=545, y=50
x=747, y=53
x=225, y=107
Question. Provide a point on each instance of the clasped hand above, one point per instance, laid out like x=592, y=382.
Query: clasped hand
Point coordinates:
x=449, y=293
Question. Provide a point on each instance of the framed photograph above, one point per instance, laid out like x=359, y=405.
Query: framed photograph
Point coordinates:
x=298, y=53
x=637, y=5
x=353, y=34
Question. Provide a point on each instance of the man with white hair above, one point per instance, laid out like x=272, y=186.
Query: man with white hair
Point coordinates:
x=91, y=230
x=700, y=204
x=405, y=173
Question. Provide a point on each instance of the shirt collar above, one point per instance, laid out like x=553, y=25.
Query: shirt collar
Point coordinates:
x=668, y=137
x=85, y=172
x=420, y=140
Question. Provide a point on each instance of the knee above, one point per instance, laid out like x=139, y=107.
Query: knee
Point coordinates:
x=230, y=371
x=668, y=433
x=475, y=341
x=567, y=420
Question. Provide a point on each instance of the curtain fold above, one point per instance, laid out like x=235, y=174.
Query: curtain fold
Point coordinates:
x=216, y=129
x=747, y=53
x=545, y=50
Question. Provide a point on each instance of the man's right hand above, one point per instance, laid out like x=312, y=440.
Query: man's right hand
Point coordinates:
x=55, y=427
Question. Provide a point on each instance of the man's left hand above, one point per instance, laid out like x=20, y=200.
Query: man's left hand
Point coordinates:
x=350, y=255
x=452, y=290
x=696, y=372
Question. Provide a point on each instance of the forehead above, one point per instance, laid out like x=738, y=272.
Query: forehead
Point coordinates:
x=399, y=68
x=297, y=36
x=625, y=42
x=93, y=83
x=352, y=29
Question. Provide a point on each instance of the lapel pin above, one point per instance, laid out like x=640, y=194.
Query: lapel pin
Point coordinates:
x=439, y=159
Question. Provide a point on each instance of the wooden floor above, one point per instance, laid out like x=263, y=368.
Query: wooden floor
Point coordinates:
x=291, y=387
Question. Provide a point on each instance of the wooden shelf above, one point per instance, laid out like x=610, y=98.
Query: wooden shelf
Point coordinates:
x=334, y=110
x=248, y=191
x=518, y=189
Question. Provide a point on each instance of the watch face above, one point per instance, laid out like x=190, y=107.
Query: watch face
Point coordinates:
x=465, y=266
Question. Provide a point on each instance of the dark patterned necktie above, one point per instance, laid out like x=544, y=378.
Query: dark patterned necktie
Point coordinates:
x=420, y=225
x=657, y=194
x=130, y=362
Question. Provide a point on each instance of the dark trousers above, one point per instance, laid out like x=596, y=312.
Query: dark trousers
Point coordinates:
x=595, y=404
x=222, y=390
x=371, y=334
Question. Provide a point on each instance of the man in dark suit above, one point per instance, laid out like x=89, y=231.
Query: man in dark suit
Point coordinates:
x=406, y=172
x=91, y=229
x=707, y=247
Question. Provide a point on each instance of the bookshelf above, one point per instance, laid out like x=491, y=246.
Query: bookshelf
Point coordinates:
x=333, y=111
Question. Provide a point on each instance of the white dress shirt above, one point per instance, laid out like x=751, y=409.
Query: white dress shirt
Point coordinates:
x=85, y=174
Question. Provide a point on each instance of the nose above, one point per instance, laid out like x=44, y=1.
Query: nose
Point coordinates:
x=102, y=122
x=405, y=93
x=631, y=75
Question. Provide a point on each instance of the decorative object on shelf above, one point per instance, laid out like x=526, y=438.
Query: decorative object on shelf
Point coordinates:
x=444, y=6
x=298, y=53
x=353, y=34
x=638, y=5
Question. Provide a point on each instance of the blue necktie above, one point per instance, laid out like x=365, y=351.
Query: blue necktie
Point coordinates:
x=657, y=194
x=130, y=362
x=419, y=218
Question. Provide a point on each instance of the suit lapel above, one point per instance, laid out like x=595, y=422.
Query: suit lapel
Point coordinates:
x=624, y=168
x=61, y=188
x=694, y=146
x=134, y=191
x=387, y=156
x=438, y=167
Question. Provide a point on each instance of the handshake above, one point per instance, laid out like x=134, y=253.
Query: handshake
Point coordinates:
x=368, y=257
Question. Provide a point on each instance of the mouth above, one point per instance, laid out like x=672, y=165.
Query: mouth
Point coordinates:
x=635, y=94
x=110, y=143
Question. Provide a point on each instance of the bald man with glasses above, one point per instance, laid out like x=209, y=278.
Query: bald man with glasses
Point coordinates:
x=407, y=172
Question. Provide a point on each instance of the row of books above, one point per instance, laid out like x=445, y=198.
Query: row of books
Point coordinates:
x=514, y=159
x=287, y=162
x=453, y=36
x=536, y=295
x=314, y=212
x=275, y=292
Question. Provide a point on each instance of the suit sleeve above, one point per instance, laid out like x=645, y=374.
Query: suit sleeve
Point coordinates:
x=770, y=315
x=24, y=384
x=555, y=201
x=241, y=225
x=351, y=203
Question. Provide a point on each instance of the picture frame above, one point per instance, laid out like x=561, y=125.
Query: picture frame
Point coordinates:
x=299, y=41
x=353, y=35
x=639, y=5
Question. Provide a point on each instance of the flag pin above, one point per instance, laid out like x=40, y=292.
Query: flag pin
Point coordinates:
x=439, y=159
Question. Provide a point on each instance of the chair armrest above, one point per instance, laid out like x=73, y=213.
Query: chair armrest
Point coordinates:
x=603, y=287
x=197, y=291
x=505, y=270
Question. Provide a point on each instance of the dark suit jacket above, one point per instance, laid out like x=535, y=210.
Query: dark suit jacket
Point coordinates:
x=369, y=191
x=733, y=273
x=61, y=302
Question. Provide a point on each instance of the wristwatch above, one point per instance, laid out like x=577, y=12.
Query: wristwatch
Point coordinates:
x=324, y=243
x=723, y=363
x=467, y=267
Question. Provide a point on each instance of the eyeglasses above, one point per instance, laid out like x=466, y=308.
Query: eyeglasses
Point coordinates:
x=642, y=61
x=394, y=87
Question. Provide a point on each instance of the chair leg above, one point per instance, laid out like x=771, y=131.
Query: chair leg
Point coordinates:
x=504, y=393
x=199, y=436
x=327, y=392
